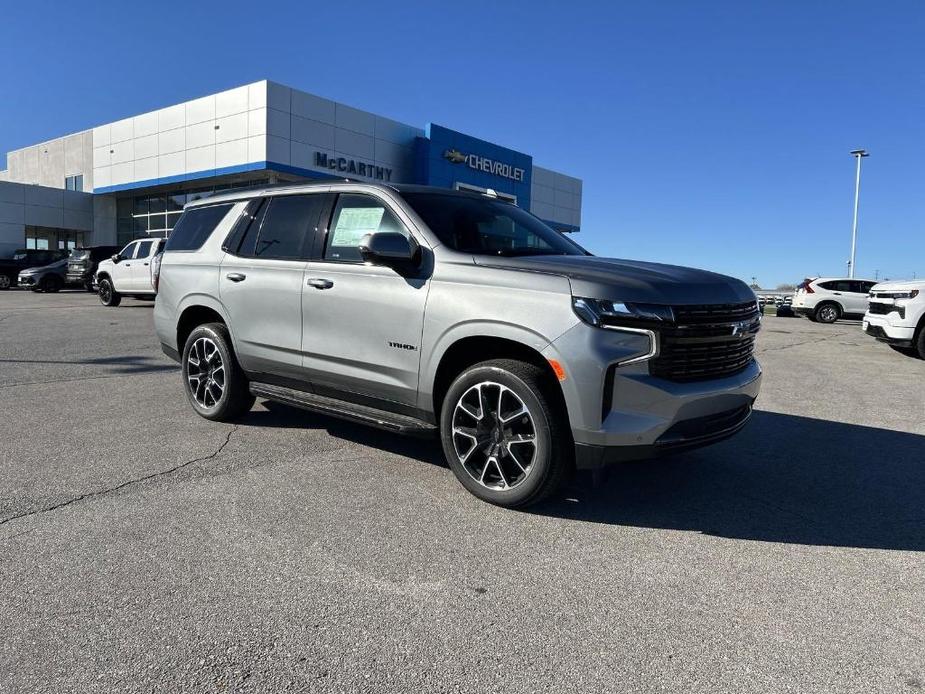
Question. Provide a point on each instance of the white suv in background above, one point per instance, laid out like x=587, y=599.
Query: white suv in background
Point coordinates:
x=896, y=316
x=826, y=299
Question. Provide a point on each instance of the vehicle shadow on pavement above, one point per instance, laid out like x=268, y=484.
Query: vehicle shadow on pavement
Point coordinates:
x=130, y=364
x=287, y=417
x=782, y=479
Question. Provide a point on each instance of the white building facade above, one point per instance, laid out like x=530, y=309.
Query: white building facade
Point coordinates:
x=131, y=178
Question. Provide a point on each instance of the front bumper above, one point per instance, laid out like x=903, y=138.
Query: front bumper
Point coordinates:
x=27, y=281
x=79, y=277
x=625, y=413
x=883, y=329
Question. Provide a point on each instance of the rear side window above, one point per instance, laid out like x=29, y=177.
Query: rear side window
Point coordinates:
x=285, y=229
x=144, y=249
x=195, y=226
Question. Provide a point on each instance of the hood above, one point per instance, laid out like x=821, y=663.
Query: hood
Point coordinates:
x=631, y=280
x=898, y=285
x=57, y=265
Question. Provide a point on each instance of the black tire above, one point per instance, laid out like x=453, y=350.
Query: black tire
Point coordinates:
x=108, y=294
x=919, y=342
x=235, y=398
x=6, y=282
x=905, y=351
x=552, y=451
x=51, y=284
x=827, y=312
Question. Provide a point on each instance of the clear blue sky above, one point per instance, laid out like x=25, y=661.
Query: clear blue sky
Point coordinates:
x=713, y=134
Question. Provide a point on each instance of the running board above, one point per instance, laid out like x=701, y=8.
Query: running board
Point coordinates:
x=362, y=414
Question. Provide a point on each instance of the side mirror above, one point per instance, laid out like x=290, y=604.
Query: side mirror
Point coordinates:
x=389, y=249
x=116, y=257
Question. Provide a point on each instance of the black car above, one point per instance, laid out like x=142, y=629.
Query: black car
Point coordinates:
x=82, y=263
x=24, y=259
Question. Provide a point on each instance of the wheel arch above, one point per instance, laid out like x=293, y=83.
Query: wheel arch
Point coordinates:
x=196, y=310
x=466, y=350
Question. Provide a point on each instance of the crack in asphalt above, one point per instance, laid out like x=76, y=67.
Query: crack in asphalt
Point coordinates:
x=798, y=344
x=123, y=485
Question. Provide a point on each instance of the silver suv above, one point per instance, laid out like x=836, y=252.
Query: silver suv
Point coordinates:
x=427, y=311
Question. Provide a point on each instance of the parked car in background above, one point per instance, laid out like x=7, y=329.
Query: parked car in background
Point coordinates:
x=82, y=264
x=896, y=315
x=826, y=299
x=48, y=278
x=130, y=272
x=24, y=259
x=454, y=314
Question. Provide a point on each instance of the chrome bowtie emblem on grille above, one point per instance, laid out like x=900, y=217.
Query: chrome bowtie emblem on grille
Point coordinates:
x=739, y=328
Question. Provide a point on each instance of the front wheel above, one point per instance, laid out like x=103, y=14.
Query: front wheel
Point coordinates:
x=504, y=433
x=215, y=385
x=5, y=282
x=108, y=294
x=51, y=284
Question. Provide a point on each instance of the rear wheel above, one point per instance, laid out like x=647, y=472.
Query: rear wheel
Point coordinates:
x=5, y=282
x=108, y=295
x=828, y=313
x=214, y=383
x=504, y=435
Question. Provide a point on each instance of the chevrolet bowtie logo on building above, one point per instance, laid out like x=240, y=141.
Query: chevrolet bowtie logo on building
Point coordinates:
x=455, y=156
x=474, y=161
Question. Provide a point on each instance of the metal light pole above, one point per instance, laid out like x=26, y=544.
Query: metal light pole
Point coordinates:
x=857, y=154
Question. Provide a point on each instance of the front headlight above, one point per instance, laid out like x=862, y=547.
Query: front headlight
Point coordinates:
x=612, y=314
x=627, y=317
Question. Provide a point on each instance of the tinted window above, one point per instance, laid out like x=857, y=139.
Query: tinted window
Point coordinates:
x=128, y=251
x=356, y=216
x=144, y=249
x=288, y=225
x=487, y=226
x=194, y=227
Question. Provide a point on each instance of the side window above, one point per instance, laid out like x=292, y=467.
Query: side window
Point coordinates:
x=844, y=286
x=128, y=252
x=285, y=229
x=144, y=249
x=195, y=225
x=354, y=217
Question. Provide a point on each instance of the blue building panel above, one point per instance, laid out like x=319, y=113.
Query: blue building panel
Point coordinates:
x=445, y=157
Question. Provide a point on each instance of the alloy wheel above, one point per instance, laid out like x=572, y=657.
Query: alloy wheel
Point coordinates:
x=828, y=314
x=105, y=291
x=205, y=372
x=494, y=436
x=4, y=282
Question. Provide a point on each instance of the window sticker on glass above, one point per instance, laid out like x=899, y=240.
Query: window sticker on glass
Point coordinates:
x=354, y=223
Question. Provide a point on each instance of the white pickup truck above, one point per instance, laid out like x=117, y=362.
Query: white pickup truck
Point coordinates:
x=130, y=272
x=896, y=316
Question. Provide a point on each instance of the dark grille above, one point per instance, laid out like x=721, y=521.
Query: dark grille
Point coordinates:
x=707, y=342
x=881, y=309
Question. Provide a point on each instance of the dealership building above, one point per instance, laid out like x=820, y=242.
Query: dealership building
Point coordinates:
x=131, y=178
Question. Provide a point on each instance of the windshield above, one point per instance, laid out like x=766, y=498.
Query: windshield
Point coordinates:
x=488, y=227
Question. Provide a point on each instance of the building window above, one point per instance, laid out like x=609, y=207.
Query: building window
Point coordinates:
x=156, y=214
x=75, y=182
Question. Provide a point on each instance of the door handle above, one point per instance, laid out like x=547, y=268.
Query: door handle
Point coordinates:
x=128, y=265
x=837, y=293
x=236, y=276
x=319, y=283
x=145, y=264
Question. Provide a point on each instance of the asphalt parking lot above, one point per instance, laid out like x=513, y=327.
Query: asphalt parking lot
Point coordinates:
x=144, y=549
